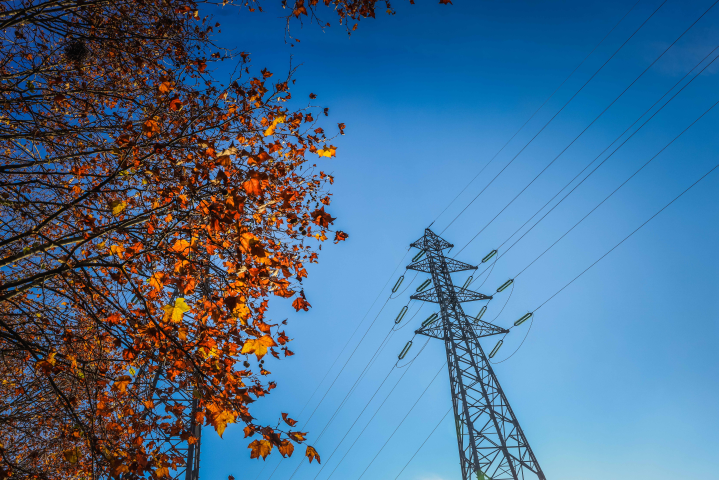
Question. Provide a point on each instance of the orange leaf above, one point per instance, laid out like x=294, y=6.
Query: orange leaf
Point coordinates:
x=301, y=304
x=258, y=346
x=322, y=218
x=165, y=87
x=297, y=436
x=288, y=420
x=340, y=236
x=260, y=448
x=121, y=383
x=157, y=280
x=253, y=186
x=286, y=448
x=175, y=104
x=311, y=453
x=181, y=246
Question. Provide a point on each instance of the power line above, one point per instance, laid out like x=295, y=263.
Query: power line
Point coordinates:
x=628, y=236
x=590, y=124
x=405, y=418
x=605, y=159
x=554, y=116
x=537, y=111
x=620, y=186
x=350, y=357
x=358, y=417
x=425, y=441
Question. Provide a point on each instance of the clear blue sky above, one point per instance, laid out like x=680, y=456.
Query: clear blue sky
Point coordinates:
x=618, y=377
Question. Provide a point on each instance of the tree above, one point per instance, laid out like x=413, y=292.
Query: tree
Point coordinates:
x=148, y=213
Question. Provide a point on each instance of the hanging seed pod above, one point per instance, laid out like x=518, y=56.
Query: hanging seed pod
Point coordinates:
x=467, y=282
x=418, y=256
x=524, y=318
x=424, y=285
x=505, y=285
x=401, y=315
x=479, y=315
x=404, y=351
x=489, y=256
x=396, y=285
x=430, y=320
x=496, y=348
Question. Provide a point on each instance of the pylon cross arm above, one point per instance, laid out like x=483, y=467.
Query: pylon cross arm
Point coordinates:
x=484, y=329
x=461, y=294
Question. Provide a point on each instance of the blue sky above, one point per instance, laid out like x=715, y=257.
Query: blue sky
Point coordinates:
x=618, y=377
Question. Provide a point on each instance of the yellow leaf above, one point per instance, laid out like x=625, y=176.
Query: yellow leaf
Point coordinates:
x=117, y=250
x=174, y=313
x=271, y=129
x=117, y=207
x=221, y=420
x=258, y=346
x=72, y=455
x=327, y=152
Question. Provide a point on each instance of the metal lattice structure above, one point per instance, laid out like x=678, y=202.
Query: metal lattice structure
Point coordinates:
x=491, y=443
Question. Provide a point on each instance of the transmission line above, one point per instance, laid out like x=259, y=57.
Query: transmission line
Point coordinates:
x=628, y=236
x=351, y=355
x=590, y=124
x=536, y=111
x=598, y=156
x=554, y=116
x=425, y=441
x=360, y=414
x=617, y=189
x=405, y=418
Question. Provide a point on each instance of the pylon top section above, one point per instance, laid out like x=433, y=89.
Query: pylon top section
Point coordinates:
x=431, y=241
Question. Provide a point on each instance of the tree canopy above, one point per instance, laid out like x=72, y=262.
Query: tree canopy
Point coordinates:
x=148, y=212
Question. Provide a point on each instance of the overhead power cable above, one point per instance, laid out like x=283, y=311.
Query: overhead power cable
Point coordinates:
x=358, y=417
x=369, y=422
x=334, y=382
x=599, y=156
x=554, y=116
x=405, y=418
x=628, y=236
x=359, y=324
x=536, y=111
x=607, y=253
x=617, y=189
x=344, y=400
x=425, y=441
x=590, y=124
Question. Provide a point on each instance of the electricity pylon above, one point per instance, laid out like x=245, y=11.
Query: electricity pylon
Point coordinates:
x=491, y=443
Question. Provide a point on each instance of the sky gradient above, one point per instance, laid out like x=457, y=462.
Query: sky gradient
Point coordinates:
x=618, y=376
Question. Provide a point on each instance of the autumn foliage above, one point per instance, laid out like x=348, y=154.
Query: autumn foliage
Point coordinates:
x=148, y=213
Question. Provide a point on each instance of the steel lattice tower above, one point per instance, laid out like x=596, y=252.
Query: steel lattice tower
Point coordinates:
x=491, y=443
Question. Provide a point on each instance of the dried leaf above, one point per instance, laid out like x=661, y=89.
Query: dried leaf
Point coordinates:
x=311, y=453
